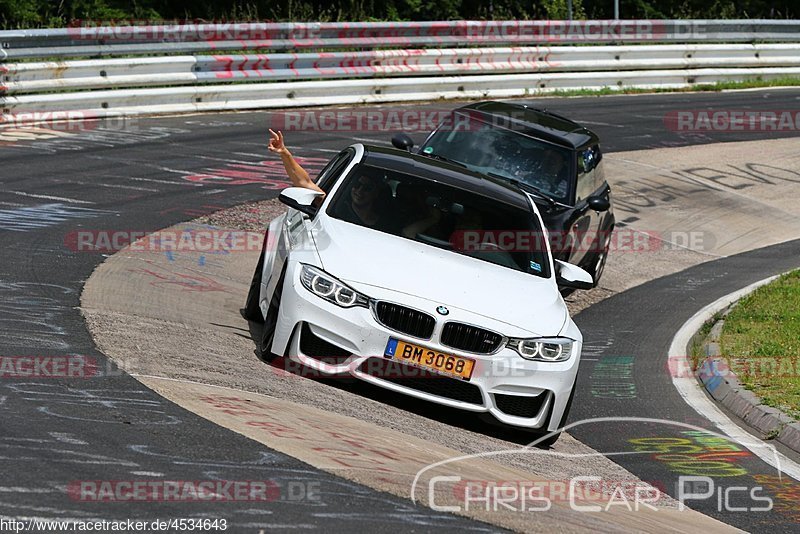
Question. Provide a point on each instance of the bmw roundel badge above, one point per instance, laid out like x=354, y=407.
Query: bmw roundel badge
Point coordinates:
x=442, y=310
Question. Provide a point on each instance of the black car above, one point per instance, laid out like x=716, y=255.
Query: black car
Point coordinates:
x=555, y=159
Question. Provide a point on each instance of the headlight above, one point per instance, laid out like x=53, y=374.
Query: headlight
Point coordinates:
x=543, y=349
x=329, y=288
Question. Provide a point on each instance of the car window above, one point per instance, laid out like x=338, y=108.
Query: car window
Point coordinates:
x=442, y=216
x=590, y=173
x=329, y=175
x=502, y=152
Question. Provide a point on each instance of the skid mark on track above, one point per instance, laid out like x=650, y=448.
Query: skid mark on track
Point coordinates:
x=93, y=405
x=44, y=215
x=31, y=320
x=50, y=197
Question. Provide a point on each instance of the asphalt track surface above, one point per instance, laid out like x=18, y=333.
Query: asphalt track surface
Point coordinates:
x=54, y=432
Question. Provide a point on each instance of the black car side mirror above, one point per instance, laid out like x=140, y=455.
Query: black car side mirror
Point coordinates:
x=598, y=203
x=402, y=141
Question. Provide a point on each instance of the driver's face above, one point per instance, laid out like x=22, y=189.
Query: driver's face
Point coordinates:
x=364, y=191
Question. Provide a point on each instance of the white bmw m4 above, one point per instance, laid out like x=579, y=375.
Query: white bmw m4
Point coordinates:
x=424, y=278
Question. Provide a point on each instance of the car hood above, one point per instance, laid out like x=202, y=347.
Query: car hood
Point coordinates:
x=360, y=256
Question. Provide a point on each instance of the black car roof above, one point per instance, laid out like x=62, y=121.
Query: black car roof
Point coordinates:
x=446, y=173
x=531, y=121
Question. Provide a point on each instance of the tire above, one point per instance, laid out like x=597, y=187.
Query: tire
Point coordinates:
x=251, y=310
x=599, y=263
x=270, y=323
x=549, y=442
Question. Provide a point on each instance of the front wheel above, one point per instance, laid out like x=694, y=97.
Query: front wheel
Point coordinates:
x=549, y=441
x=270, y=323
x=251, y=310
x=599, y=264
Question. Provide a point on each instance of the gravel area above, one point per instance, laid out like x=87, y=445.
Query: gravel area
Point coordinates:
x=250, y=217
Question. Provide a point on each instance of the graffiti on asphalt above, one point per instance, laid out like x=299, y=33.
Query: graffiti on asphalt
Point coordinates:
x=270, y=174
x=697, y=454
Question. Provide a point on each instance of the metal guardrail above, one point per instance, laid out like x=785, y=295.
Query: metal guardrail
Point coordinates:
x=483, y=65
x=183, y=70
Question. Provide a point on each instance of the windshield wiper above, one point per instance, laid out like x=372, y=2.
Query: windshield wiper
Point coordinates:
x=442, y=158
x=526, y=187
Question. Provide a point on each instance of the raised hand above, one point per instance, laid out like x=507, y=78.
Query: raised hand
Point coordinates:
x=276, y=142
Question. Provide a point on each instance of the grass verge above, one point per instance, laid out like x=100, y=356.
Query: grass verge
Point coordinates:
x=761, y=339
x=709, y=87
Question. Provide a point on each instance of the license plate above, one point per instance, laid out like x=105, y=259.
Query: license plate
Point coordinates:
x=447, y=364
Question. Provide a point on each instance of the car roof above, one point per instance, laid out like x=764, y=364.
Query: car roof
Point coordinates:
x=533, y=122
x=445, y=173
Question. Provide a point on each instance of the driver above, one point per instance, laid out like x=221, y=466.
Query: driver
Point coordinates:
x=555, y=171
x=368, y=199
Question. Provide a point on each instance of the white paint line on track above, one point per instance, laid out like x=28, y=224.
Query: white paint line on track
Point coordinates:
x=167, y=169
x=250, y=143
x=117, y=186
x=162, y=181
x=229, y=160
x=695, y=396
x=50, y=197
x=597, y=123
x=17, y=489
x=250, y=154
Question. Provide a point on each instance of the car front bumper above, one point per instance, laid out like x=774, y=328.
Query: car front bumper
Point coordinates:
x=351, y=341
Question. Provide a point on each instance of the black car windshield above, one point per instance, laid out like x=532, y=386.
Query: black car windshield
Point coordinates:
x=498, y=151
x=442, y=216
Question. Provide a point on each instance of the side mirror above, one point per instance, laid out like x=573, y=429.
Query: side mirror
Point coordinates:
x=572, y=276
x=598, y=203
x=402, y=141
x=301, y=199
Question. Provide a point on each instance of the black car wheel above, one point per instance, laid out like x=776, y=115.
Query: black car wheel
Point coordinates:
x=251, y=310
x=270, y=323
x=600, y=260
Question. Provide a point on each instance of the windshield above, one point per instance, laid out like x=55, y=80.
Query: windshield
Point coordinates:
x=442, y=216
x=494, y=150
